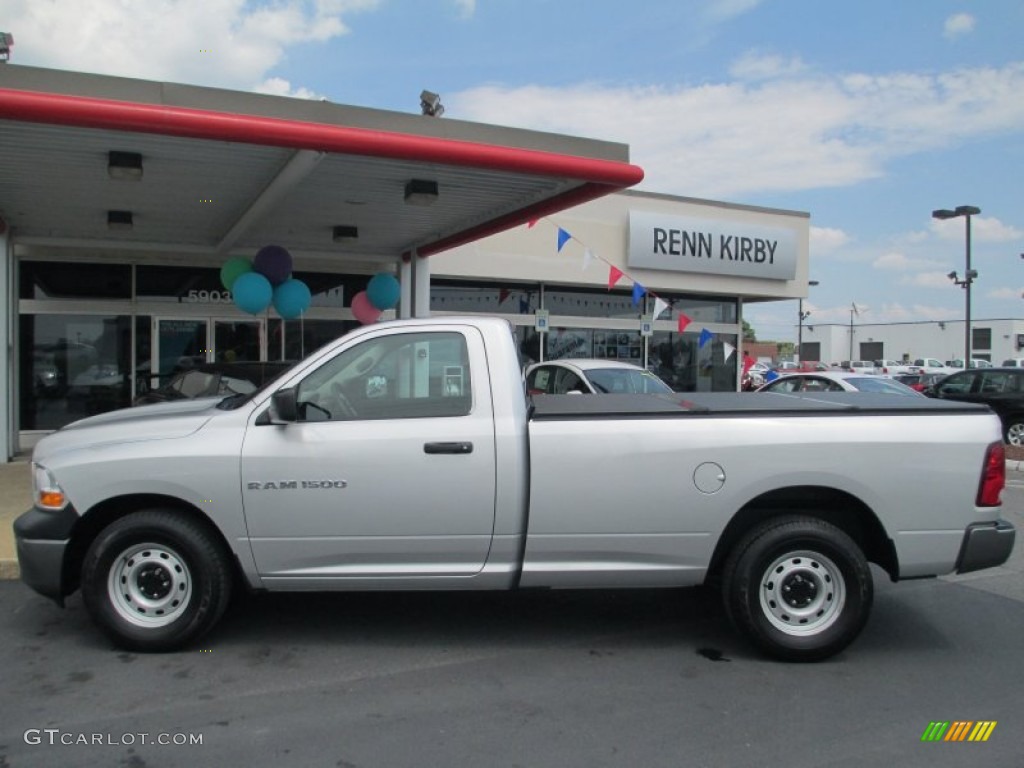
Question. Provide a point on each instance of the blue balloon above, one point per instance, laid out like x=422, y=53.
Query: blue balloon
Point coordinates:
x=252, y=292
x=383, y=290
x=292, y=298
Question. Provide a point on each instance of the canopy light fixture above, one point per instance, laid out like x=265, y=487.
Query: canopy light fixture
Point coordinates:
x=343, y=234
x=119, y=220
x=431, y=105
x=421, y=192
x=125, y=166
x=6, y=41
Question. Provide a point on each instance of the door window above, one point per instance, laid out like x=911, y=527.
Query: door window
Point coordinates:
x=407, y=375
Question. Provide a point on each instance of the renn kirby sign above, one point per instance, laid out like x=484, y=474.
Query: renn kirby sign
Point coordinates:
x=684, y=244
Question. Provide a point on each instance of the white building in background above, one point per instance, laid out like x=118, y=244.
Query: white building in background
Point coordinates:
x=992, y=340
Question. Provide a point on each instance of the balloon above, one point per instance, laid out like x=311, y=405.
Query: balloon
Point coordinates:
x=363, y=310
x=274, y=263
x=233, y=269
x=252, y=292
x=384, y=290
x=291, y=299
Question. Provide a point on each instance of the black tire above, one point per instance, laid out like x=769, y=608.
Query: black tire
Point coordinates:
x=1014, y=434
x=799, y=588
x=156, y=580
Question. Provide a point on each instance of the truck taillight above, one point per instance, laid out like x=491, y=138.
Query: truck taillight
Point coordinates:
x=993, y=476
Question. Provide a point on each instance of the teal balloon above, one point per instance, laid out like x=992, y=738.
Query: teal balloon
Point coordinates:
x=233, y=269
x=292, y=298
x=384, y=291
x=252, y=293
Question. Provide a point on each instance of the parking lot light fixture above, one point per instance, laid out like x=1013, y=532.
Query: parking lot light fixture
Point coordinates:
x=970, y=275
x=801, y=316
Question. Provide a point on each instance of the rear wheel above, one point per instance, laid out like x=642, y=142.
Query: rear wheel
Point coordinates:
x=1015, y=432
x=799, y=588
x=156, y=581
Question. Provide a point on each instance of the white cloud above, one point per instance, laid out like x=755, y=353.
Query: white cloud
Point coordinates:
x=983, y=230
x=895, y=261
x=723, y=10
x=927, y=280
x=757, y=66
x=466, y=8
x=826, y=239
x=1006, y=293
x=724, y=140
x=224, y=43
x=276, y=86
x=957, y=25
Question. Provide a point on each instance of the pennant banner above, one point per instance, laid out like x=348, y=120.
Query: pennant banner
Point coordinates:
x=532, y=223
x=588, y=257
x=729, y=349
x=660, y=305
x=705, y=337
x=614, y=275
x=503, y=294
x=638, y=293
x=683, y=322
x=563, y=238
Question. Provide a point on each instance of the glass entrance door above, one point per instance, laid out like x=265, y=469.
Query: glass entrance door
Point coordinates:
x=183, y=343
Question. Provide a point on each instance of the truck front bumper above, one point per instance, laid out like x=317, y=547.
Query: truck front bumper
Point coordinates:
x=42, y=538
x=985, y=545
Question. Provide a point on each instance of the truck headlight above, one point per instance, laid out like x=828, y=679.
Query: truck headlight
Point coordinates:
x=46, y=492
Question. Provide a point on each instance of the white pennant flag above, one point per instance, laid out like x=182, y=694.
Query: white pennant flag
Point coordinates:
x=729, y=349
x=588, y=257
x=660, y=305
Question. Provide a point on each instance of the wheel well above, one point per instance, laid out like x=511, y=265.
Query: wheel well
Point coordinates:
x=106, y=512
x=839, y=508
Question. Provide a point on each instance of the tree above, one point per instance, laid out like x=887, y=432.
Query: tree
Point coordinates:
x=749, y=334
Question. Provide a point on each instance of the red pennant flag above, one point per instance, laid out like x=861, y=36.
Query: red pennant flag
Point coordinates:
x=503, y=294
x=748, y=363
x=683, y=322
x=532, y=223
x=614, y=275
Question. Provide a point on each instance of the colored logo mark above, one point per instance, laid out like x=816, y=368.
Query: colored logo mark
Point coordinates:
x=959, y=730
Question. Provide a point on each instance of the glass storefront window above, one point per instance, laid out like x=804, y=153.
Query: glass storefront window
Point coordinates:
x=698, y=310
x=597, y=303
x=494, y=299
x=72, y=280
x=73, y=366
x=202, y=285
x=680, y=361
x=305, y=337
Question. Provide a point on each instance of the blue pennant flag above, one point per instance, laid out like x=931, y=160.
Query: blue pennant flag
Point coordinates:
x=524, y=306
x=563, y=238
x=705, y=337
x=638, y=293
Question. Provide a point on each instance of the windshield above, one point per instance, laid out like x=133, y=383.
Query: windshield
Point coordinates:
x=627, y=381
x=887, y=386
x=270, y=373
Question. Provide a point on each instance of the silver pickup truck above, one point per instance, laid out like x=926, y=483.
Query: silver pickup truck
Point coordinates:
x=407, y=455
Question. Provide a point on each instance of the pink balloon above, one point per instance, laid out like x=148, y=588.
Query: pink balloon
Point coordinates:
x=363, y=310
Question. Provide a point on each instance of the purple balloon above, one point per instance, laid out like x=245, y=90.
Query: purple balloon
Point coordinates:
x=274, y=263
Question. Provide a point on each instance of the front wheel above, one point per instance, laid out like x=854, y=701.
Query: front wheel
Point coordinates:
x=1015, y=432
x=799, y=588
x=156, y=581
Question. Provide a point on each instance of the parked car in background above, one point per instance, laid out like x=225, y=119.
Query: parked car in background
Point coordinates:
x=858, y=366
x=592, y=376
x=837, y=381
x=1014, y=362
x=894, y=367
x=807, y=366
x=975, y=363
x=215, y=380
x=919, y=381
x=933, y=365
x=1001, y=389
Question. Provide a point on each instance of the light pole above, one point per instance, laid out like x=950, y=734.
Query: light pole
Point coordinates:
x=801, y=316
x=969, y=274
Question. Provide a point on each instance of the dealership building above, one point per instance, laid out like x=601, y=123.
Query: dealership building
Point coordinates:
x=121, y=199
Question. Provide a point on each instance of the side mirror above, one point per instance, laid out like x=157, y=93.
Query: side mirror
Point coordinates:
x=284, y=407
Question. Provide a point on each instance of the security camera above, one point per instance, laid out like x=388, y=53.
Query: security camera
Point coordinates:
x=952, y=275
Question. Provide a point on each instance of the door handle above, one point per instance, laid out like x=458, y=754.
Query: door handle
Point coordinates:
x=447, y=447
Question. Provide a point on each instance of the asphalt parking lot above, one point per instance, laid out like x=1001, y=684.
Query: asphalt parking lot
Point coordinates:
x=622, y=678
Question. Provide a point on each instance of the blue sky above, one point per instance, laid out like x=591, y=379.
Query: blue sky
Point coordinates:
x=866, y=115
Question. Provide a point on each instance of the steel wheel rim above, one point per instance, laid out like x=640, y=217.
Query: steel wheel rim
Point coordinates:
x=149, y=585
x=1015, y=434
x=802, y=593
